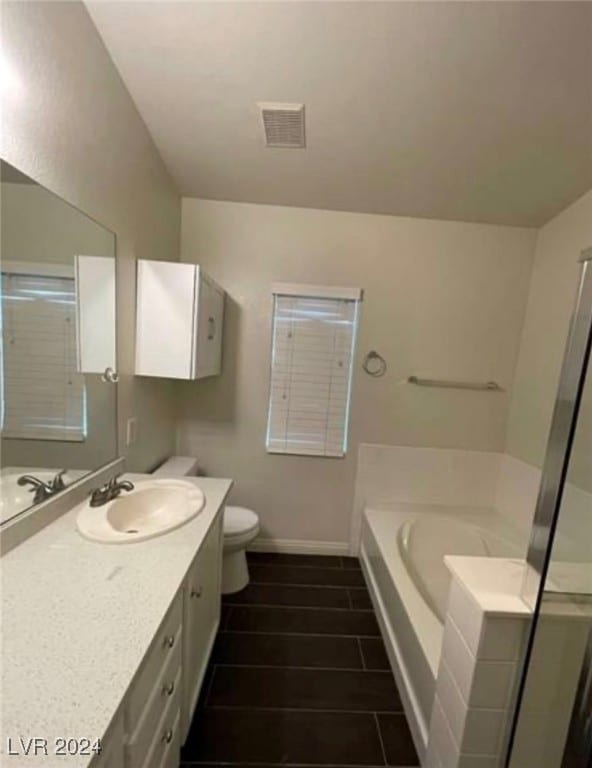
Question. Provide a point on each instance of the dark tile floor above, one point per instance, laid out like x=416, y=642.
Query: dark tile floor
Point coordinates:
x=299, y=674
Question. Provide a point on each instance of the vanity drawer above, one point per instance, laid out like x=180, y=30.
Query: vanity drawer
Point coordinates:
x=141, y=751
x=170, y=758
x=167, y=687
x=166, y=739
x=166, y=645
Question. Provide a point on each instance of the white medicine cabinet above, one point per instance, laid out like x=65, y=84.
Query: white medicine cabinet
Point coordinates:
x=179, y=321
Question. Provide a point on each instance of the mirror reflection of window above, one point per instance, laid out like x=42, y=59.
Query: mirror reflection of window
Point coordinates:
x=57, y=308
x=43, y=394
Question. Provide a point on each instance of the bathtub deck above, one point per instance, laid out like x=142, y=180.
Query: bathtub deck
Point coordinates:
x=412, y=631
x=299, y=675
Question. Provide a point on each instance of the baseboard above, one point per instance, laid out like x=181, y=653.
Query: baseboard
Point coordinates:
x=300, y=547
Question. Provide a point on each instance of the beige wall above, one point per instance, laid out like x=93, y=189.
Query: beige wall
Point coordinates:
x=69, y=123
x=551, y=301
x=39, y=226
x=441, y=298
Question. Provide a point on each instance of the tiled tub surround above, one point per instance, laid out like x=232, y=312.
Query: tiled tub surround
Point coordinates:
x=388, y=474
x=412, y=630
x=491, y=491
x=299, y=674
x=494, y=492
x=78, y=619
x=483, y=646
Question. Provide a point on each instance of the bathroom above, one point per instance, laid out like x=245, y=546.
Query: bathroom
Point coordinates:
x=193, y=571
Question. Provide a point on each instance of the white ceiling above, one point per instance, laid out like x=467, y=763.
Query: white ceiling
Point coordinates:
x=477, y=111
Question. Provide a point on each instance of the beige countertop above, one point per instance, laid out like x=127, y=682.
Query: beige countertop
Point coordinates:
x=77, y=619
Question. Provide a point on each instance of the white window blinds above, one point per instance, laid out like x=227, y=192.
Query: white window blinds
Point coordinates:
x=314, y=333
x=43, y=396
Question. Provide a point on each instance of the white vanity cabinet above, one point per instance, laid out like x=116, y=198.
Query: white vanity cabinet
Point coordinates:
x=201, y=618
x=112, y=753
x=179, y=321
x=161, y=700
x=153, y=703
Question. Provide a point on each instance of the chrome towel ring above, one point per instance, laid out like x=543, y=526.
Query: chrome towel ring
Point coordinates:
x=374, y=364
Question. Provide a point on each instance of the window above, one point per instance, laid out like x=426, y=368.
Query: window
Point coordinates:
x=43, y=395
x=314, y=330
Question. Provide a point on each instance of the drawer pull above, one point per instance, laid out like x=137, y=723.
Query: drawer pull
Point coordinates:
x=168, y=737
x=169, y=641
x=168, y=689
x=197, y=592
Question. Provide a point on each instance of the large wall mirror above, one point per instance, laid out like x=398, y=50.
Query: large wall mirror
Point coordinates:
x=58, y=356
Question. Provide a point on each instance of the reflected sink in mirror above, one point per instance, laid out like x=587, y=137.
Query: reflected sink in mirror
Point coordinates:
x=14, y=498
x=153, y=508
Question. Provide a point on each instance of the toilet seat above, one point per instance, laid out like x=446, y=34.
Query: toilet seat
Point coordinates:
x=239, y=522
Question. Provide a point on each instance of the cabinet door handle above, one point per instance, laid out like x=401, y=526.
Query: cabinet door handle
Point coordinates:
x=169, y=641
x=168, y=737
x=168, y=689
x=211, y=328
x=197, y=592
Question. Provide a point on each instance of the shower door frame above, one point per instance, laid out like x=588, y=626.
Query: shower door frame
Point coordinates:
x=561, y=436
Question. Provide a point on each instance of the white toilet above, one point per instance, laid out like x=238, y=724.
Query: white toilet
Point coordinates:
x=241, y=526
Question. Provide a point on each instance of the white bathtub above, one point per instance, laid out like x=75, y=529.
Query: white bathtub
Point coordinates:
x=402, y=552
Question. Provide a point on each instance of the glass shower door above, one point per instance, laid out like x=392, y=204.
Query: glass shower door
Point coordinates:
x=553, y=726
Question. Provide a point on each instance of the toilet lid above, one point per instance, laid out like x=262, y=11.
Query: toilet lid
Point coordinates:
x=239, y=520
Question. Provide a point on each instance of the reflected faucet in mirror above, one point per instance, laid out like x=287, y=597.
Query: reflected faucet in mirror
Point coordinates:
x=43, y=490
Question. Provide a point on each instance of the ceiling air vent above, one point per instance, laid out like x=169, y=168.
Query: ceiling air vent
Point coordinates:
x=283, y=124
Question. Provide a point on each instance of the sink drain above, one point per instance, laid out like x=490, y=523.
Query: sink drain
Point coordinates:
x=132, y=530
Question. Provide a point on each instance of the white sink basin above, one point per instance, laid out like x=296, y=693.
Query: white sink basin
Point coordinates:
x=153, y=508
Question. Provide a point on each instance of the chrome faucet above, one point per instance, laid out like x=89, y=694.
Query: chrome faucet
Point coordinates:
x=40, y=490
x=109, y=491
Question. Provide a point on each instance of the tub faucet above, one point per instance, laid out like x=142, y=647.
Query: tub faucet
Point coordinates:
x=109, y=491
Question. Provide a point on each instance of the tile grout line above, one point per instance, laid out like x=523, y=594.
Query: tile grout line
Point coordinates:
x=308, y=668
x=307, y=710
x=299, y=607
x=210, y=685
x=293, y=564
x=361, y=653
x=295, y=634
x=287, y=765
x=259, y=564
x=301, y=584
x=377, y=723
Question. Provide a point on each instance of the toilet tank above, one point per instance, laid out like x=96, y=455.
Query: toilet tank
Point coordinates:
x=178, y=466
